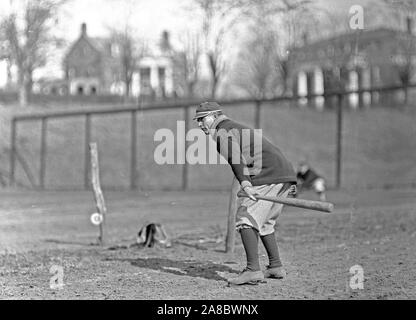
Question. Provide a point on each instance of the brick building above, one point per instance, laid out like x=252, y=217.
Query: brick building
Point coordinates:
x=92, y=66
x=356, y=60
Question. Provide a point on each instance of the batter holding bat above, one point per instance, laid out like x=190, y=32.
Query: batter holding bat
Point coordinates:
x=262, y=170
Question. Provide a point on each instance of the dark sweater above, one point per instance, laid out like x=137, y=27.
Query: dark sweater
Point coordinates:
x=308, y=177
x=251, y=156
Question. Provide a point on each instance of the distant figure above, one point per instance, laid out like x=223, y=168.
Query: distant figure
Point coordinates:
x=309, y=179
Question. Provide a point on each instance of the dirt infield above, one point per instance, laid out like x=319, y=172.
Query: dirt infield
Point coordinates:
x=374, y=229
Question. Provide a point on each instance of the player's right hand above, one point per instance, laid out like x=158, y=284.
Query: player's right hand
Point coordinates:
x=251, y=192
x=293, y=190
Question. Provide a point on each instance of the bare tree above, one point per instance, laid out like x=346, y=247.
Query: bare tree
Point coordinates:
x=131, y=50
x=297, y=23
x=275, y=27
x=5, y=55
x=27, y=35
x=187, y=62
x=218, y=18
x=257, y=71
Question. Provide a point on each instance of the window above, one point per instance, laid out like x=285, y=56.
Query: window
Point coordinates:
x=161, y=71
x=145, y=85
x=376, y=75
x=162, y=80
x=145, y=76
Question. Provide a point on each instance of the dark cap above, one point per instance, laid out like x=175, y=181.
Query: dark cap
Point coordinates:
x=207, y=108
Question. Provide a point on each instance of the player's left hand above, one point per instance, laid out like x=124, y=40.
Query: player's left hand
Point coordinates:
x=293, y=190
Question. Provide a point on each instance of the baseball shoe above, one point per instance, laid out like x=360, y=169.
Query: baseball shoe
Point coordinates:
x=275, y=273
x=247, y=277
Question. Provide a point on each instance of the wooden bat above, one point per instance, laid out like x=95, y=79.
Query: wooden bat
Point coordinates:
x=300, y=203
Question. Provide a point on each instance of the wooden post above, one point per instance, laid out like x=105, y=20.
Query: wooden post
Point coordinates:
x=13, y=152
x=232, y=212
x=133, y=150
x=98, y=194
x=43, y=153
x=86, y=150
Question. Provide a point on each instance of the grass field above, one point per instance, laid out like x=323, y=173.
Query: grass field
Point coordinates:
x=375, y=229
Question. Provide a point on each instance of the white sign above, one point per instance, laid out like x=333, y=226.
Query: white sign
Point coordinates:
x=96, y=219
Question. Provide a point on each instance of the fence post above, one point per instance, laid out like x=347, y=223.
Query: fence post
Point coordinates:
x=98, y=193
x=43, y=153
x=13, y=152
x=87, y=149
x=133, y=151
x=185, y=166
x=257, y=115
x=339, y=142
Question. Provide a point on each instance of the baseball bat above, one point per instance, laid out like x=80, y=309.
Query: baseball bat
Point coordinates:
x=299, y=203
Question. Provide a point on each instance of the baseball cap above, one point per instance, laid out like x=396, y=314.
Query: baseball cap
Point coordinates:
x=206, y=108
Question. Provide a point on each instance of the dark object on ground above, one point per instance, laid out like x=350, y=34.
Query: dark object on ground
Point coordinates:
x=152, y=233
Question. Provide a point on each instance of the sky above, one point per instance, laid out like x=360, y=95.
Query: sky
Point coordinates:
x=148, y=17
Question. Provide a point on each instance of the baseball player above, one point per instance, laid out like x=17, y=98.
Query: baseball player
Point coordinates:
x=261, y=169
x=309, y=179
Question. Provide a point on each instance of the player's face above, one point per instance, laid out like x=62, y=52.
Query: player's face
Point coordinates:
x=206, y=123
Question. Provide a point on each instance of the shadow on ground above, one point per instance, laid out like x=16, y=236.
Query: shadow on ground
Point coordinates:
x=207, y=270
x=79, y=243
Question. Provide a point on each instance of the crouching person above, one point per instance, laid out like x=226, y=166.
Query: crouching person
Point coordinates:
x=261, y=169
x=309, y=179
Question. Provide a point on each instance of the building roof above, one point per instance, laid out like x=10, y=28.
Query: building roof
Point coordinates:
x=99, y=43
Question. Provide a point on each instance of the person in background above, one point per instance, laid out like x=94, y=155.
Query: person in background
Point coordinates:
x=309, y=179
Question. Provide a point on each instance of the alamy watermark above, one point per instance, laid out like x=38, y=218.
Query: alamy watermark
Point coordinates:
x=356, y=20
x=57, y=279
x=234, y=146
x=357, y=279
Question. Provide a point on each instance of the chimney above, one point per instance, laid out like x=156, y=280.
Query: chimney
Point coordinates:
x=409, y=25
x=83, y=29
x=165, y=41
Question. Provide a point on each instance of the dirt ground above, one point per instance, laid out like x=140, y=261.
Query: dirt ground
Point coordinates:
x=374, y=229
